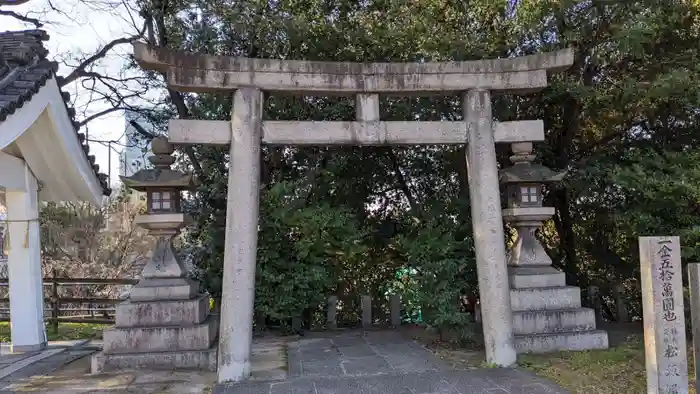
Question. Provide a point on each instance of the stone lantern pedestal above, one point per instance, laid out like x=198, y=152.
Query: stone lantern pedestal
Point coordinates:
x=165, y=324
x=529, y=265
x=547, y=314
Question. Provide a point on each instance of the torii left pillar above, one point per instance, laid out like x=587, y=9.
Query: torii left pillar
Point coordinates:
x=237, y=299
x=24, y=266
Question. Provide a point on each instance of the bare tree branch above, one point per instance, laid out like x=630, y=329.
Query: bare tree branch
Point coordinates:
x=60, y=12
x=176, y=97
x=80, y=70
x=98, y=114
x=102, y=94
x=401, y=179
x=24, y=18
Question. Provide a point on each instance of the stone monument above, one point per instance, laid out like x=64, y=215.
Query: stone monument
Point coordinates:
x=165, y=324
x=664, y=320
x=547, y=314
x=694, y=285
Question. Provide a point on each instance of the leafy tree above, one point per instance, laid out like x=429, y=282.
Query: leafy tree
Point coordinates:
x=622, y=121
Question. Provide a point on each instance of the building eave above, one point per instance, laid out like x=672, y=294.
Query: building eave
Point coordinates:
x=43, y=131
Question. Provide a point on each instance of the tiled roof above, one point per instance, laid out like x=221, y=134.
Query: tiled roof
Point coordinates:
x=24, y=69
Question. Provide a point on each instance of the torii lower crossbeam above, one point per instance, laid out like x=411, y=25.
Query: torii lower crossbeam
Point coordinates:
x=185, y=131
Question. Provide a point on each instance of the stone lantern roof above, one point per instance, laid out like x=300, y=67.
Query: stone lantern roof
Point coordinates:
x=529, y=173
x=161, y=175
x=524, y=171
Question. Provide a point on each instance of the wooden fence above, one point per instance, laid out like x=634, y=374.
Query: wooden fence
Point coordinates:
x=65, y=309
x=54, y=303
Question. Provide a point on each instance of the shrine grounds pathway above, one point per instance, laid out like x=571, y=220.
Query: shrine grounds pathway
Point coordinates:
x=383, y=362
x=338, y=362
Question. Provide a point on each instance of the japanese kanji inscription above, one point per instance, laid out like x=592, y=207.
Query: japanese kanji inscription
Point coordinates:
x=664, y=323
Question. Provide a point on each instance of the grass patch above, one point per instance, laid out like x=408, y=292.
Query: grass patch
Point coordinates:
x=618, y=370
x=66, y=331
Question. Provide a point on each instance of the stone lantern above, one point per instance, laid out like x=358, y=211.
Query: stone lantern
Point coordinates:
x=165, y=323
x=523, y=182
x=164, y=219
x=547, y=314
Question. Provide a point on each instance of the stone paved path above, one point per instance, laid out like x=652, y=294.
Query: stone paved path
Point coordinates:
x=383, y=362
x=67, y=371
x=15, y=380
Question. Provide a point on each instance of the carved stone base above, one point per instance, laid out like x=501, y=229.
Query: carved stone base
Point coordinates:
x=161, y=338
x=202, y=360
x=175, y=312
x=547, y=314
x=535, y=276
x=162, y=334
x=164, y=289
x=571, y=340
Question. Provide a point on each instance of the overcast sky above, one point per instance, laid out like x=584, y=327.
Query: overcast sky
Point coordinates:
x=84, y=29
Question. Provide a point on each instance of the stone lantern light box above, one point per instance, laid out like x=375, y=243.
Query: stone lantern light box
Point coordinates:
x=524, y=180
x=163, y=200
x=524, y=195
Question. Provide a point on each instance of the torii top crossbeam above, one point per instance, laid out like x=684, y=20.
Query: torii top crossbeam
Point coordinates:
x=204, y=73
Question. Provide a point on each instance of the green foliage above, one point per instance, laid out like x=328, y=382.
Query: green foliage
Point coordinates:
x=445, y=265
x=66, y=331
x=649, y=181
x=302, y=251
x=622, y=120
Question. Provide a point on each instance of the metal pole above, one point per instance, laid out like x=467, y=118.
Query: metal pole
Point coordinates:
x=109, y=163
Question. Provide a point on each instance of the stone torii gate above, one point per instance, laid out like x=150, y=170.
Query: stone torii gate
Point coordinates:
x=473, y=80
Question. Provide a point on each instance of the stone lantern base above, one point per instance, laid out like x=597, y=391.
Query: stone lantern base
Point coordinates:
x=165, y=324
x=160, y=334
x=547, y=314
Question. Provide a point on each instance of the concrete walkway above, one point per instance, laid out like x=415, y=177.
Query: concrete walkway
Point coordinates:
x=65, y=369
x=17, y=368
x=383, y=362
x=347, y=362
